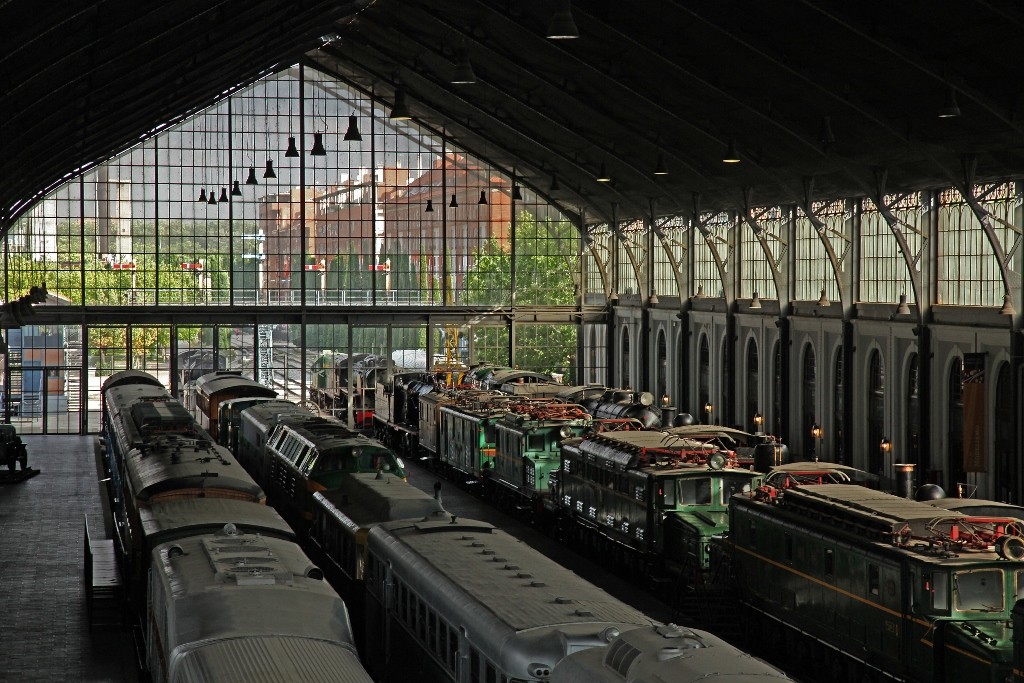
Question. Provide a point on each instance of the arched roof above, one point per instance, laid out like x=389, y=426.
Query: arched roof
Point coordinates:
x=822, y=99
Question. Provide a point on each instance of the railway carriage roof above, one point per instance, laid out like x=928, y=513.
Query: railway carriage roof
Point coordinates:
x=269, y=658
x=492, y=571
x=218, y=382
x=367, y=499
x=193, y=514
x=176, y=461
x=215, y=579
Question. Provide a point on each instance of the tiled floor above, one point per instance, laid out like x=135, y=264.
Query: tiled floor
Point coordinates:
x=44, y=633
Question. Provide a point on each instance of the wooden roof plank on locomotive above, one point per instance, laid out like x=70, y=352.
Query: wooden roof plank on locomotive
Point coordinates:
x=232, y=606
x=520, y=610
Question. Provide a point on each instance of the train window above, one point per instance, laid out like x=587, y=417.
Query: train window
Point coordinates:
x=873, y=579
x=695, y=491
x=1019, y=578
x=668, y=493
x=936, y=589
x=830, y=562
x=536, y=442
x=979, y=591
x=474, y=666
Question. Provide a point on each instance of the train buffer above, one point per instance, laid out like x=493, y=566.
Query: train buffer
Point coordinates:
x=104, y=587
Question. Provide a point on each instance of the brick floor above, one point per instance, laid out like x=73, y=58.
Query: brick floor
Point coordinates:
x=44, y=633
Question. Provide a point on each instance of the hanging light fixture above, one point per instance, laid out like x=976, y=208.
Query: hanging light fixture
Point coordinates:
x=653, y=299
x=269, y=171
x=904, y=307
x=463, y=72
x=400, y=111
x=823, y=300
x=554, y=184
x=731, y=155
x=292, y=151
x=659, y=168
x=317, y=150
x=950, y=109
x=454, y=203
x=602, y=175
x=561, y=26
x=213, y=197
x=236, y=191
x=517, y=194
x=825, y=134
x=352, y=134
x=755, y=302
x=483, y=197
x=223, y=195
x=202, y=194
x=251, y=180
x=430, y=206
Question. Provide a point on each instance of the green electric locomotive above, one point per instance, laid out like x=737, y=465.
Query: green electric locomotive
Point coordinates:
x=652, y=498
x=527, y=451
x=899, y=588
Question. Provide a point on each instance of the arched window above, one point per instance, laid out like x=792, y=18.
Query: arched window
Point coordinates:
x=626, y=382
x=876, y=412
x=838, y=424
x=955, y=425
x=1006, y=471
x=662, y=386
x=777, y=390
x=913, y=416
x=809, y=383
x=753, y=400
x=703, y=378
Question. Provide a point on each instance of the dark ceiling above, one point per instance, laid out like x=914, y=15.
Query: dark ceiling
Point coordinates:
x=673, y=81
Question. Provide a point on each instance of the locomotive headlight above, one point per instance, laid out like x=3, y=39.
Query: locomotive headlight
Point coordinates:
x=356, y=452
x=565, y=432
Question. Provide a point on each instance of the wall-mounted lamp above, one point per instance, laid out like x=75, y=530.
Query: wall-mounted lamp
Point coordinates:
x=758, y=421
x=1007, y=308
x=666, y=400
x=885, y=446
x=816, y=433
x=708, y=409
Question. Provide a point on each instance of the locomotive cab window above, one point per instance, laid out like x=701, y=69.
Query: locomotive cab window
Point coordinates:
x=695, y=491
x=978, y=591
x=935, y=591
x=536, y=442
x=1019, y=587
